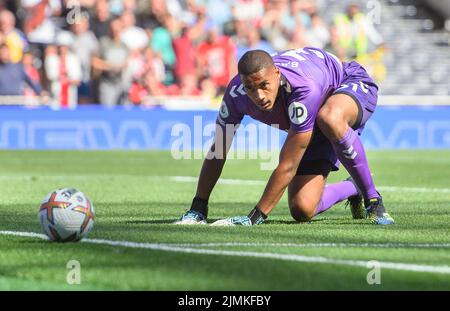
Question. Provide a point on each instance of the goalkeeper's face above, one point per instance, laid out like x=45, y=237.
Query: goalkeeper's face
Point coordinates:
x=262, y=87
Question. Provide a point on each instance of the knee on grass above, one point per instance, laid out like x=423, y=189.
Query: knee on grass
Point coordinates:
x=302, y=210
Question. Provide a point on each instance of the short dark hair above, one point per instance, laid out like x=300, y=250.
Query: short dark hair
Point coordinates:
x=253, y=61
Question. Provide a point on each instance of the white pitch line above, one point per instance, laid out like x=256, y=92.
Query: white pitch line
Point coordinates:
x=330, y=245
x=24, y=234
x=192, y=179
x=286, y=257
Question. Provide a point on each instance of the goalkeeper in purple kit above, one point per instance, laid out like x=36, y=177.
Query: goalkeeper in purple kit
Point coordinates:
x=323, y=104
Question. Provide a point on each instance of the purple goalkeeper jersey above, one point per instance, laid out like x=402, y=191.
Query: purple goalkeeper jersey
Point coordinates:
x=309, y=76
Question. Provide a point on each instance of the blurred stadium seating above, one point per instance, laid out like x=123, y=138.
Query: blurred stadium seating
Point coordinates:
x=418, y=61
x=164, y=57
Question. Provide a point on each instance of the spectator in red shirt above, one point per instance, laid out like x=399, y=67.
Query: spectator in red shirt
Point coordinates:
x=216, y=57
x=185, y=55
x=149, y=85
x=189, y=85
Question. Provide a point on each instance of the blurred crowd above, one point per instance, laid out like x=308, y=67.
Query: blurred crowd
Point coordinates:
x=123, y=51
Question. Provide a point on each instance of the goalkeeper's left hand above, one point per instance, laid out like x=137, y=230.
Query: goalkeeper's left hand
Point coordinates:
x=255, y=217
x=233, y=221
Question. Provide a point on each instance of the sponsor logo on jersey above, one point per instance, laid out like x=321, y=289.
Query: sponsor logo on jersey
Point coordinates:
x=297, y=112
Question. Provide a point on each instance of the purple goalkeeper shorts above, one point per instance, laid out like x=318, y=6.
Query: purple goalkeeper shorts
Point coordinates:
x=320, y=158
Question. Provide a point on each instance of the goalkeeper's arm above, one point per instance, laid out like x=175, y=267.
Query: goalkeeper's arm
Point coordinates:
x=212, y=167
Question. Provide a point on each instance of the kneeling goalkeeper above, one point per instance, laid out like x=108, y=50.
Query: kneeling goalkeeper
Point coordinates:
x=323, y=104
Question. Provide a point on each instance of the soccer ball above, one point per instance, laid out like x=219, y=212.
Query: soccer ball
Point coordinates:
x=66, y=215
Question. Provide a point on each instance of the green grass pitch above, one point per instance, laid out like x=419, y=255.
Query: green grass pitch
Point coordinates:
x=136, y=199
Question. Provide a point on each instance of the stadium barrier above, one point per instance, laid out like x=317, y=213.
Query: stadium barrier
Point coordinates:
x=99, y=128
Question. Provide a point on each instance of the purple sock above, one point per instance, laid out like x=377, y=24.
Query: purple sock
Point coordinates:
x=335, y=193
x=350, y=152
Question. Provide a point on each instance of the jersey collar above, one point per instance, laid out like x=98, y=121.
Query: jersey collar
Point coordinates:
x=284, y=83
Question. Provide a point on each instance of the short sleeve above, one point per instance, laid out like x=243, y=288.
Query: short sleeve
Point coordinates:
x=229, y=112
x=303, y=106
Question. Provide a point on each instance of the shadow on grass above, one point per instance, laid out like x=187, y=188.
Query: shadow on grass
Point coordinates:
x=150, y=222
x=325, y=221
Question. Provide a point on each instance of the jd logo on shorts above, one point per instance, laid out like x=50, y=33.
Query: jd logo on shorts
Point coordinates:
x=297, y=112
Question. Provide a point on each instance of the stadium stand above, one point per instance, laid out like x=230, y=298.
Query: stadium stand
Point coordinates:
x=407, y=50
